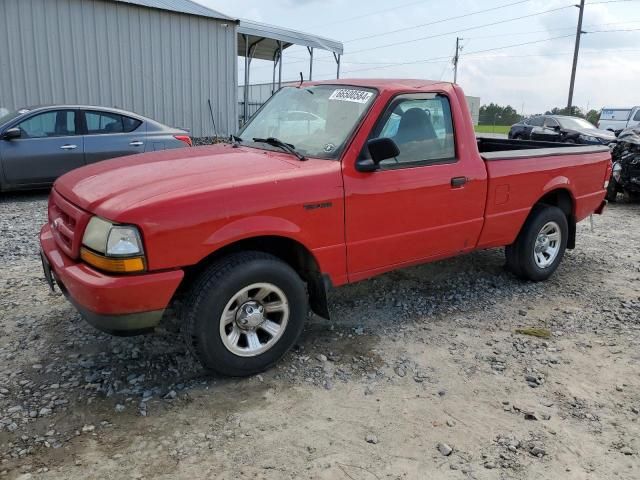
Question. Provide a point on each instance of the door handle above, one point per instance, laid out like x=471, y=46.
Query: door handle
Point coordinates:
x=457, y=182
x=68, y=147
x=136, y=143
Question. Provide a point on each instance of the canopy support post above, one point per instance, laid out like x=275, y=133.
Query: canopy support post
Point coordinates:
x=337, y=57
x=310, y=63
x=275, y=63
x=280, y=65
x=247, y=63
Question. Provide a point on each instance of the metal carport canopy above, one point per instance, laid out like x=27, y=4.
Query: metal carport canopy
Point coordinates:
x=267, y=42
x=266, y=38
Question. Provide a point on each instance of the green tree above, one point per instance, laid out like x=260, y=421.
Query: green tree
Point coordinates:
x=593, y=116
x=498, y=115
x=573, y=111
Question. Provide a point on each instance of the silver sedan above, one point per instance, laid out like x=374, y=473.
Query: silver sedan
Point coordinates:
x=39, y=144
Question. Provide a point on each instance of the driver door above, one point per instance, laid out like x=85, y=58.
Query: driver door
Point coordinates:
x=549, y=132
x=427, y=202
x=50, y=145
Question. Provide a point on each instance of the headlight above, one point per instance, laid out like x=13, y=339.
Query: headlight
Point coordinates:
x=589, y=138
x=112, y=248
x=617, y=170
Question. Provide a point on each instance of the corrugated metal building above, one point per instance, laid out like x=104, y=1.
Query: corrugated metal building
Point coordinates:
x=160, y=58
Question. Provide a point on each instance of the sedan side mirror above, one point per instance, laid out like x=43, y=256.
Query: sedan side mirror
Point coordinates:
x=12, y=133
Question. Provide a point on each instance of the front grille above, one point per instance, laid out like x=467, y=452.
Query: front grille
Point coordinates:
x=67, y=224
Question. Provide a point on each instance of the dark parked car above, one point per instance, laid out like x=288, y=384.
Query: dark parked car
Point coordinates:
x=39, y=144
x=560, y=128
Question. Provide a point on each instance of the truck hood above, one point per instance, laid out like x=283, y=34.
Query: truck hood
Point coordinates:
x=124, y=183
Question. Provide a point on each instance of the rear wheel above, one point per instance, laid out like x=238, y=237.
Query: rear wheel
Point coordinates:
x=244, y=313
x=540, y=246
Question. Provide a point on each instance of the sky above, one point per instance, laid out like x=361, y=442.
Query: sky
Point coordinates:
x=532, y=78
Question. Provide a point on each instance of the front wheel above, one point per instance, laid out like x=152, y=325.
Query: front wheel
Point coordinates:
x=612, y=191
x=244, y=313
x=540, y=246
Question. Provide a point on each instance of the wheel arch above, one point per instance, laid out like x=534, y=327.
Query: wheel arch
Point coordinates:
x=287, y=249
x=562, y=198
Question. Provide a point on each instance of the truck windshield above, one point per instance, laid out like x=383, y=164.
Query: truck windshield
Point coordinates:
x=316, y=120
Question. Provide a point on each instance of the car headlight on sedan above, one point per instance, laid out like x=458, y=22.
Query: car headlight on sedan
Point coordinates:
x=617, y=171
x=589, y=138
x=112, y=247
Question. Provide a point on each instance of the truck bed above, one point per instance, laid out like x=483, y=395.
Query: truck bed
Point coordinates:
x=502, y=149
x=541, y=167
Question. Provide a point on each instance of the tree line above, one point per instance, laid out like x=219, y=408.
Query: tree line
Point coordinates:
x=493, y=114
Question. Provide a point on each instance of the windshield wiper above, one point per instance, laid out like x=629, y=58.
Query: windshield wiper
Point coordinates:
x=287, y=147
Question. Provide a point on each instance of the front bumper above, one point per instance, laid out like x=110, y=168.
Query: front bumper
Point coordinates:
x=118, y=304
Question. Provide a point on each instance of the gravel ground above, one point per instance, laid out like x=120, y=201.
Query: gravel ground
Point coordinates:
x=421, y=374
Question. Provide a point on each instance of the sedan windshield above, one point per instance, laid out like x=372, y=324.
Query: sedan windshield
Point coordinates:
x=576, y=123
x=316, y=121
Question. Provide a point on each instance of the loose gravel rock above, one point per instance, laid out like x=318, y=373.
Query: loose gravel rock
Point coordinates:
x=427, y=354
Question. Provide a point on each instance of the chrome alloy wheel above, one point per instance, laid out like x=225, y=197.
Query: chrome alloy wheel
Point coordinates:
x=254, y=319
x=547, y=245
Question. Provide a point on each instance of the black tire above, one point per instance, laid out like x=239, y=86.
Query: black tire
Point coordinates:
x=512, y=259
x=211, y=293
x=520, y=255
x=633, y=197
x=612, y=191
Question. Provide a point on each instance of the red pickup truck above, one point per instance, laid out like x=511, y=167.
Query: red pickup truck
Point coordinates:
x=329, y=183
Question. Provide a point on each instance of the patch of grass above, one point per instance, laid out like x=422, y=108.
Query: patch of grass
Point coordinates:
x=493, y=129
x=534, y=332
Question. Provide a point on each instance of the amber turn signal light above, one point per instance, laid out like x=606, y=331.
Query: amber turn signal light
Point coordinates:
x=113, y=264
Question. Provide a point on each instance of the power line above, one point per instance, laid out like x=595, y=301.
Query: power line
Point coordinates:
x=511, y=34
x=611, y=1
x=446, y=33
x=448, y=19
x=377, y=12
x=499, y=22
x=611, y=31
x=438, y=59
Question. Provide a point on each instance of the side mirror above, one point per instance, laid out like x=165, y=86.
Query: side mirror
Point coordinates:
x=12, y=133
x=382, y=149
x=557, y=128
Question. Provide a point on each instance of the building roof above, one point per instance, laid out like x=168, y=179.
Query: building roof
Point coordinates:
x=181, y=6
x=265, y=38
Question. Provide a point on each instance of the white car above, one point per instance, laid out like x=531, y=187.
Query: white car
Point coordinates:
x=617, y=119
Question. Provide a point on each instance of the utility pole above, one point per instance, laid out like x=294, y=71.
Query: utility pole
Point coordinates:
x=456, y=58
x=579, y=33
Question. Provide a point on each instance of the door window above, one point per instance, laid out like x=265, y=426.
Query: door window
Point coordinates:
x=551, y=123
x=536, y=121
x=101, y=123
x=636, y=117
x=422, y=127
x=49, y=124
